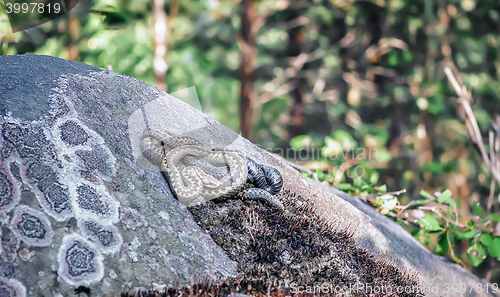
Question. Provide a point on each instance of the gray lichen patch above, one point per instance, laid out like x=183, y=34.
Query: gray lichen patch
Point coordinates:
x=38, y=172
x=107, y=238
x=94, y=203
x=50, y=160
x=35, y=156
x=85, y=155
x=52, y=195
x=29, y=141
x=9, y=192
x=14, y=134
x=80, y=262
x=72, y=134
x=16, y=171
x=31, y=226
x=98, y=161
x=11, y=288
x=57, y=197
x=7, y=269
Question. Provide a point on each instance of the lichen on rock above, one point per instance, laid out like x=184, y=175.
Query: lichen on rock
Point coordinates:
x=11, y=288
x=107, y=238
x=72, y=134
x=91, y=202
x=80, y=261
x=9, y=193
x=32, y=226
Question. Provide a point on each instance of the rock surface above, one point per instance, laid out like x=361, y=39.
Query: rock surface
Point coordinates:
x=79, y=205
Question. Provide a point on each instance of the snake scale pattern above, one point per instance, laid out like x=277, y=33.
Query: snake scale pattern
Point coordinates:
x=194, y=171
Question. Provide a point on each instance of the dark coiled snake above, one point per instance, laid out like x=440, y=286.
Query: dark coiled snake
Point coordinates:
x=194, y=171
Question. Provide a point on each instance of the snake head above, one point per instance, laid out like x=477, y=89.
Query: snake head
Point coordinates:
x=153, y=150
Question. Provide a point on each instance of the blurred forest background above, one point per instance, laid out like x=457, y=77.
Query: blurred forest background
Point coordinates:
x=321, y=77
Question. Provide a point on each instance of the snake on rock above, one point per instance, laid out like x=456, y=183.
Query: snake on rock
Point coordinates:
x=194, y=171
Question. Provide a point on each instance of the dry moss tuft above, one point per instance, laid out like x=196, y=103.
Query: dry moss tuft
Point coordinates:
x=296, y=247
x=291, y=251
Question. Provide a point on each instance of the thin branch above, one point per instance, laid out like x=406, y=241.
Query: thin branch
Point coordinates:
x=448, y=220
x=465, y=111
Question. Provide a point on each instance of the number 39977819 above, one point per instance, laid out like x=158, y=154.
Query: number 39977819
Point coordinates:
x=26, y=8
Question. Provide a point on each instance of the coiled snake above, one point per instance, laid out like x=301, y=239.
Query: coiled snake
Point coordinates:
x=194, y=171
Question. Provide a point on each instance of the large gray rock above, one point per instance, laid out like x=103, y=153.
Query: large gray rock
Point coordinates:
x=68, y=170
x=79, y=205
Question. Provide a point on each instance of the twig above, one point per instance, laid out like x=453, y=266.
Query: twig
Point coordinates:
x=463, y=101
x=396, y=193
x=434, y=210
x=468, y=117
x=492, y=184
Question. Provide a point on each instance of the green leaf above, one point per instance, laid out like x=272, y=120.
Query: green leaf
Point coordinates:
x=476, y=254
x=495, y=217
x=393, y=59
x=477, y=209
x=374, y=178
x=388, y=201
x=382, y=188
x=345, y=140
x=470, y=233
x=407, y=56
x=486, y=239
x=426, y=195
x=421, y=236
x=343, y=186
x=332, y=149
x=301, y=142
x=429, y=223
x=320, y=13
x=432, y=167
x=383, y=155
x=113, y=18
x=442, y=245
x=460, y=235
x=438, y=167
x=494, y=248
x=446, y=197
x=485, y=220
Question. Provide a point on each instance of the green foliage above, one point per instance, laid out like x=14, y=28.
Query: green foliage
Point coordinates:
x=429, y=223
x=445, y=197
x=439, y=227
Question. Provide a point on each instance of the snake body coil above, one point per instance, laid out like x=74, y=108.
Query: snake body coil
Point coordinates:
x=267, y=180
x=194, y=172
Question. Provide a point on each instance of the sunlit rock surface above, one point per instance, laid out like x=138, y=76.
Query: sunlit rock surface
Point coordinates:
x=80, y=206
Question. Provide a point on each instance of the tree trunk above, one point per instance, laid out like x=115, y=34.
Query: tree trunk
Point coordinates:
x=248, y=53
